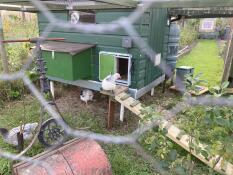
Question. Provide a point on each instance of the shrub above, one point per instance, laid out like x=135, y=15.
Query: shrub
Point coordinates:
x=17, y=53
x=187, y=36
x=189, y=33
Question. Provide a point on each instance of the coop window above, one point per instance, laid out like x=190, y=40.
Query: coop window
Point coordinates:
x=84, y=17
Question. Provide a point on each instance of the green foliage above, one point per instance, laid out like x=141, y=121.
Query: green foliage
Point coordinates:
x=17, y=53
x=192, y=82
x=5, y=168
x=189, y=33
x=219, y=91
x=33, y=75
x=149, y=114
x=11, y=90
x=220, y=25
x=124, y=162
x=123, y=159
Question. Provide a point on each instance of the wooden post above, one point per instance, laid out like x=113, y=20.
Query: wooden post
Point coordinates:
x=152, y=92
x=122, y=113
x=111, y=111
x=2, y=48
x=20, y=141
x=228, y=60
x=52, y=89
x=23, y=14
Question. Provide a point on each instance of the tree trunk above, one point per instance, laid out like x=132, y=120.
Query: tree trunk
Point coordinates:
x=2, y=48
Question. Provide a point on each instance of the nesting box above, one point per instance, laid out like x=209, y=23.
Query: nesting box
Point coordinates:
x=68, y=61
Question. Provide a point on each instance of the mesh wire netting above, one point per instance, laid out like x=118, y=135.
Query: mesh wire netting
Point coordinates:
x=125, y=23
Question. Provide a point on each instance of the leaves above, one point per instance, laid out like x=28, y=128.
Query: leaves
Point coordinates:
x=192, y=82
x=219, y=91
x=180, y=171
x=172, y=155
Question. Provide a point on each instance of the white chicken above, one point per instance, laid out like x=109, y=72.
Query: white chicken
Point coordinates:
x=10, y=137
x=86, y=95
x=109, y=83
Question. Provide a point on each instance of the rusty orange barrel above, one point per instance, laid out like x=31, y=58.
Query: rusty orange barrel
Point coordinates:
x=77, y=157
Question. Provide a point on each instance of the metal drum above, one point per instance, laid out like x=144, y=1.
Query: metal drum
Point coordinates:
x=77, y=157
x=181, y=72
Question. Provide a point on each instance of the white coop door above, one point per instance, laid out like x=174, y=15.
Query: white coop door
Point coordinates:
x=111, y=62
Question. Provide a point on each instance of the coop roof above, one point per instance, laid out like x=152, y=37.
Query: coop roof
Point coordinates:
x=71, y=48
x=110, y=4
x=213, y=12
x=67, y=4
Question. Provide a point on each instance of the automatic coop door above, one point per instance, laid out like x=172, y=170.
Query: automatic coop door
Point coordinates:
x=110, y=63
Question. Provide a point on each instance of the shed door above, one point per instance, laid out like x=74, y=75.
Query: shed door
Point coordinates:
x=107, y=65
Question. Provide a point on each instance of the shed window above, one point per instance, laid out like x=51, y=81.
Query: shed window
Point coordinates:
x=84, y=17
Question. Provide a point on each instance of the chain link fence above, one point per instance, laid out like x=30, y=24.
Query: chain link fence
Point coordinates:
x=125, y=23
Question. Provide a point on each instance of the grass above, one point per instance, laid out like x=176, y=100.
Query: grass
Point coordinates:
x=205, y=59
x=123, y=158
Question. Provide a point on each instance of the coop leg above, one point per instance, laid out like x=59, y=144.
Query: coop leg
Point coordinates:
x=164, y=85
x=52, y=89
x=152, y=92
x=20, y=141
x=111, y=111
x=122, y=112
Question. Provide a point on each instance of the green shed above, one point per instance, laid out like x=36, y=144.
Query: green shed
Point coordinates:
x=104, y=53
x=112, y=51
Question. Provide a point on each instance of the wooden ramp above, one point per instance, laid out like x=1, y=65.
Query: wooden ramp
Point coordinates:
x=177, y=135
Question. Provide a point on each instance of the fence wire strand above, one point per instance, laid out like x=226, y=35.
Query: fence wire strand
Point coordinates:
x=125, y=23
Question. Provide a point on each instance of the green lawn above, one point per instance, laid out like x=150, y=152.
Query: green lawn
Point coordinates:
x=124, y=159
x=205, y=59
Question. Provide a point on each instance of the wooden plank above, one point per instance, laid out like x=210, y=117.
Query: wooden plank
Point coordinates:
x=202, y=12
x=180, y=138
x=3, y=54
x=135, y=103
x=173, y=133
x=201, y=92
x=107, y=40
x=228, y=62
x=125, y=3
x=109, y=16
x=136, y=110
x=190, y=3
x=59, y=6
x=125, y=97
x=142, y=30
x=111, y=111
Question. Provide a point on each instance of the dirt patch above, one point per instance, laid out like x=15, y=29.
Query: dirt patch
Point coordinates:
x=69, y=102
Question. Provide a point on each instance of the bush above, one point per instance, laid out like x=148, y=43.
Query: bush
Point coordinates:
x=187, y=36
x=17, y=53
x=11, y=90
x=189, y=33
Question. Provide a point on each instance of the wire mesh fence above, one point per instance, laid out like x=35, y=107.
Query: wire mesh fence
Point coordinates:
x=125, y=23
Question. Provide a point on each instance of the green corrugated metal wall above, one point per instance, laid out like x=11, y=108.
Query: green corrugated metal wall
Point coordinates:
x=151, y=26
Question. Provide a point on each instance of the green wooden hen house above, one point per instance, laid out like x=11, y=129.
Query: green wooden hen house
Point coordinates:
x=103, y=54
x=84, y=59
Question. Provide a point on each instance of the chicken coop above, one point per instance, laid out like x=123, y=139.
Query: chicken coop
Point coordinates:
x=103, y=54
x=85, y=59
